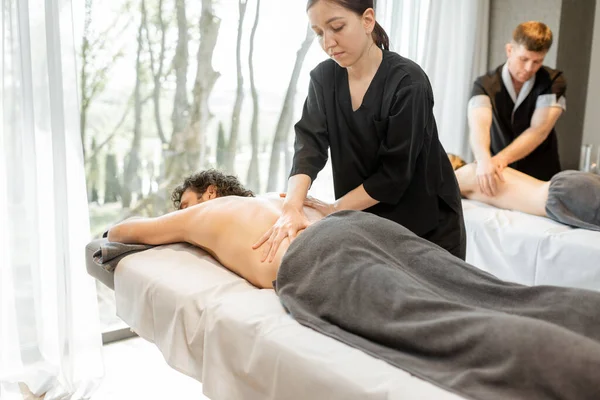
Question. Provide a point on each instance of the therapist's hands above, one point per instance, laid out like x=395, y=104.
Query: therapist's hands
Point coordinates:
x=320, y=205
x=291, y=221
x=488, y=173
x=500, y=162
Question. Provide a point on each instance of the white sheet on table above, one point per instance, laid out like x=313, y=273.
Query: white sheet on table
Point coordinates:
x=531, y=250
x=239, y=342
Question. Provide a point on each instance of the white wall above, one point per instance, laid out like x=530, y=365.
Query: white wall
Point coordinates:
x=591, y=127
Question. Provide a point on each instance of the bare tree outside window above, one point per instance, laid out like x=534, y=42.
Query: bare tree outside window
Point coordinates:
x=163, y=84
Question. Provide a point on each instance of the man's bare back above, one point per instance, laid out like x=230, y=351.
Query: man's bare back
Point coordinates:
x=226, y=227
x=519, y=191
x=229, y=227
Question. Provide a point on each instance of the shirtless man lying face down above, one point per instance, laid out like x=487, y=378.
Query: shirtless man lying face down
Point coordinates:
x=226, y=226
x=569, y=197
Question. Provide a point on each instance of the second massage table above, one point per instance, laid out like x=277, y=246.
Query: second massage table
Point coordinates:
x=531, y=250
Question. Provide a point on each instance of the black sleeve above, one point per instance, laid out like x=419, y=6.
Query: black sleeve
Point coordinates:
x=409, y=118
x=312, y=142
x=559, y=86
x=478, y=88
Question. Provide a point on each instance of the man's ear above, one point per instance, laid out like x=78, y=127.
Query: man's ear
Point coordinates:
x=508, y=47
x=211, y=190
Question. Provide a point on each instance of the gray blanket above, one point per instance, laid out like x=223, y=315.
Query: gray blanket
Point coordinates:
x=574, y=199
x=376, y=286
x=109, y=254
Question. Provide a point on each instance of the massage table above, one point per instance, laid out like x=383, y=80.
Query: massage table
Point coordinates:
x=237, y=340
x=531, y=250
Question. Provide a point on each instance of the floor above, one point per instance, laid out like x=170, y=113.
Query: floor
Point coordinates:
x=135, y=369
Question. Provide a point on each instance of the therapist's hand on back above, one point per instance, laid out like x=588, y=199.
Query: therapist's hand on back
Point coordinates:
x=292, y=218
x=321, y=206
x=488, y=172
x=291, y=221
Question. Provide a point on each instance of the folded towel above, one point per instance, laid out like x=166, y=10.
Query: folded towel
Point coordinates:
x=574, y=199
x=110, y=253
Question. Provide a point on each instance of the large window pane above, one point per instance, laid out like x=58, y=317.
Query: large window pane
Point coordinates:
x=173, y=86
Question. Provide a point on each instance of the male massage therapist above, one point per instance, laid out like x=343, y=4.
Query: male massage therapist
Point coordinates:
x=513, y=110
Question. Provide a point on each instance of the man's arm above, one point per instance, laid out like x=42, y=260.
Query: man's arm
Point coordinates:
x=169, y=228
x=542, y=122
x=480, y=123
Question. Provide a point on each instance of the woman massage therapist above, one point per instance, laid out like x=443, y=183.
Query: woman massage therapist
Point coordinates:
x=373, y=109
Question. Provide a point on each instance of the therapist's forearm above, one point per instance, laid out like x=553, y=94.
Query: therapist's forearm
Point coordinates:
x=522, y=146
x=297, y=190
x=480, y=144
x=357, y=199
x=480, y=123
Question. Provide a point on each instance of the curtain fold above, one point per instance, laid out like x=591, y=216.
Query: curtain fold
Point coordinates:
x=49, y=325
x=405, y=22
x=449, y=40
x=456, y=49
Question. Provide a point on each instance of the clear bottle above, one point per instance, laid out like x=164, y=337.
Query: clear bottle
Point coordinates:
x=585, y=159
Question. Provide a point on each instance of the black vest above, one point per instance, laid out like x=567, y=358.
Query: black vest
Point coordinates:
x=543, y=162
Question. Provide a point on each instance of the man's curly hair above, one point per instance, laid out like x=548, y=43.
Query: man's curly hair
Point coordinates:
x=227, y=185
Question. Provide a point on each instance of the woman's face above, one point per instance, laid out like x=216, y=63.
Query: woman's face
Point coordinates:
x=343, y=35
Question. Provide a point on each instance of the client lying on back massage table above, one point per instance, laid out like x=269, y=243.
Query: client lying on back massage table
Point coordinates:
x=570, y=197
x=375, y=285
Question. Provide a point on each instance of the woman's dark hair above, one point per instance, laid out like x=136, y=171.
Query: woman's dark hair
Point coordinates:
x=227, y=185
x=359, y=7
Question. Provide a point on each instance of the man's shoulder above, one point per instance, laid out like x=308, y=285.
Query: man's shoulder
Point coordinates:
x=212, y=214
x=547, y=74
x=225, y=203
x=491, y=78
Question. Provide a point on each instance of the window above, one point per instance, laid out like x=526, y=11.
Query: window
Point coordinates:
x=167, y=88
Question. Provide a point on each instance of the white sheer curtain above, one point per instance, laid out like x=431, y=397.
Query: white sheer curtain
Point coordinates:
x=50, y=341
x=456, y=50
x=449, y=40
x=405, y=22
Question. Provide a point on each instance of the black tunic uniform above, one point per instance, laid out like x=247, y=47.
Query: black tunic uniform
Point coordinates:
x=508, y=122
x=390, y=145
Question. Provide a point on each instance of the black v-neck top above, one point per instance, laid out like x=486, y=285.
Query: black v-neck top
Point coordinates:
x=390, y=143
